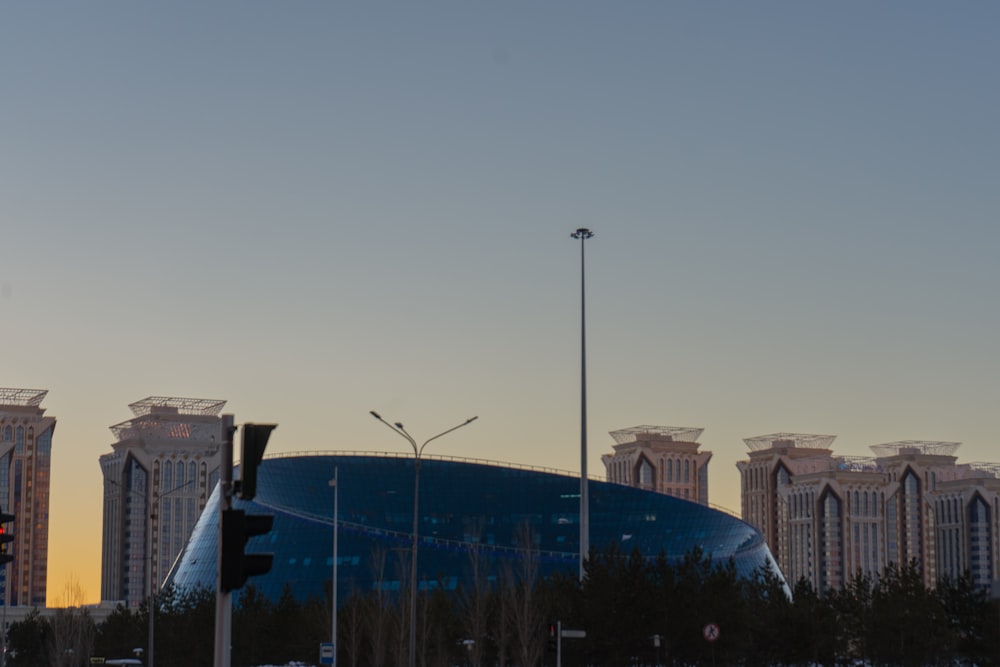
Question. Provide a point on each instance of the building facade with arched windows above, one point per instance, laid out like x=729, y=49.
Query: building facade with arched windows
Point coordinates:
x=25, y=473
x=157, y=479
x=665, y=459
x=828, y=517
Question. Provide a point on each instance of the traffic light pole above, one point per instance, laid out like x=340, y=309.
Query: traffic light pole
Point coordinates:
x=559, y=644
x=224, y=599
x=6, y=557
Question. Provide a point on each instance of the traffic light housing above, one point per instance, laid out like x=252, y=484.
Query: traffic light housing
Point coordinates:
x=6, y=538
x=254, y=443
x=552, y=638
x=236, y=566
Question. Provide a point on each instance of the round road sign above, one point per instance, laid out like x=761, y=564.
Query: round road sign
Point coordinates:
x=710, y=632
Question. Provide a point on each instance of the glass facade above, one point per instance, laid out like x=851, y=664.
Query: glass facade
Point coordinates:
x=980, y=542
x=830, y=541
x=467, y=509
x=912, y=523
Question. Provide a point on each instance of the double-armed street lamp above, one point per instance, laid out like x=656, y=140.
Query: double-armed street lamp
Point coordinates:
x=397, y=427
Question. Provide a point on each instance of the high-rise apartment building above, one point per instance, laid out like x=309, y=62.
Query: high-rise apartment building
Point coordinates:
x=25, y=467
x=157, y=480
x=664, y=459
x=828, y=518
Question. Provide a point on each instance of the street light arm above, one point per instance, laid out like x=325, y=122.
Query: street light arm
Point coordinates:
x=176, y=488
x=453, y=428
x=398, y=430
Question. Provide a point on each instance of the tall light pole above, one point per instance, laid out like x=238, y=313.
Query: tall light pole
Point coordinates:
x=583, y=234
x=397, y=427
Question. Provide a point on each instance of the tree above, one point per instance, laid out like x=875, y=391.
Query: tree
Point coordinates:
x=473, y=603
x=253, y=637
x=71, y=641
x=120, y=633
x=810, y=626
x=29, y=641
x=351, y=629
x=380, y=618
x=907, y=622
x=971, y=619
x=185, y=626
x=852, y=607
x=525, y=618
x=73, y=594
x=620, y=609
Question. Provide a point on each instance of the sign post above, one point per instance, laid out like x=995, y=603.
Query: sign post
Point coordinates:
x=568, y=634
x=711, y=634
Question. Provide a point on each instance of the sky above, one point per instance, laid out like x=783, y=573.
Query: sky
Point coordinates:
x=317, y=209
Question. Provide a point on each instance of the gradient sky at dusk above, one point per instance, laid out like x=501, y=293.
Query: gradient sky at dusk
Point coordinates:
x=315, y=209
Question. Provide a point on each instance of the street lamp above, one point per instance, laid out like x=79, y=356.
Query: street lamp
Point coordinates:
x=149, y=547
x=583, y=234
x=397, y=427
x=333, y=586
x=154, y=586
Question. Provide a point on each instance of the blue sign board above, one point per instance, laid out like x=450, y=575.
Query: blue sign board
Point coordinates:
x=327, y=654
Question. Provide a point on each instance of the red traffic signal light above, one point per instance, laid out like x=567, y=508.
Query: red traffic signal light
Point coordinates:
x=5, y=538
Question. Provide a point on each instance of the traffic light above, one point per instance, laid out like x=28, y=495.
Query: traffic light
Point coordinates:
x=6, y=538
x=255, y=438
x=236, y=566
x=552, y=638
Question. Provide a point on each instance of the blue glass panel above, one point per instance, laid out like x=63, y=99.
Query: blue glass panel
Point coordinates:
x=466, y=509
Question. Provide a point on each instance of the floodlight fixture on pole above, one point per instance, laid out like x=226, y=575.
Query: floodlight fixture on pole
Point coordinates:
x=583, y=234
x=397, y=427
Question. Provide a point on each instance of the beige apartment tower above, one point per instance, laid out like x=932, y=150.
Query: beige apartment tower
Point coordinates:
x=157, y=480
x=828, y=518
x=664, y=459
x=25, y=470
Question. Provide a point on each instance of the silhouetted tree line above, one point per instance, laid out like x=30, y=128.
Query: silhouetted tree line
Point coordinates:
x=624, y=604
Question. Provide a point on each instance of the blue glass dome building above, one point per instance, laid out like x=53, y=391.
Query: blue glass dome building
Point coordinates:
x=503, y=514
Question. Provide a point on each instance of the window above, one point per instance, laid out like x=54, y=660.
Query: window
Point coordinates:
x=645, y=474
x=980, y=541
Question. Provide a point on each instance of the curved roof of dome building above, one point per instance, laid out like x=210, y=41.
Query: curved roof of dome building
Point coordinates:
x=500, y=514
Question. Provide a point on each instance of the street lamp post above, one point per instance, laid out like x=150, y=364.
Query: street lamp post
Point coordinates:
x=397, y=427
x=583, y=234
x=151, y=579
x=333, y=592
x=152, y=558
